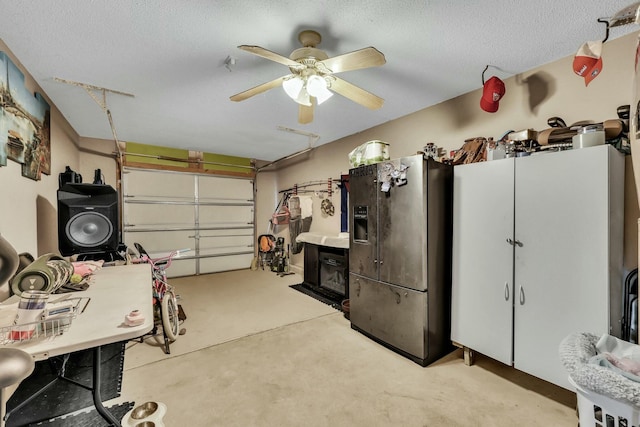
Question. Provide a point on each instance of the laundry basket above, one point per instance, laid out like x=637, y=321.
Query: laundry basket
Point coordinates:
x=605, y=398
x=598, y=410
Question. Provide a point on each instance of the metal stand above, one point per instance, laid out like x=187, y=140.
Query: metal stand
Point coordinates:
x=97, y=398
x=154, y=332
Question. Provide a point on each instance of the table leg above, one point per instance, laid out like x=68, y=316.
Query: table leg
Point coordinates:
x=97, y=398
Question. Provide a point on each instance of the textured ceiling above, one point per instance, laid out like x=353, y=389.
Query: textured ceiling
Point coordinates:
x=171, y=56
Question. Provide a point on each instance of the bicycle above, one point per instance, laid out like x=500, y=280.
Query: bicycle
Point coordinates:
x=165, y=302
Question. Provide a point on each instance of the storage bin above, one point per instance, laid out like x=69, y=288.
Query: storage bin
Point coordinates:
x=368, y=153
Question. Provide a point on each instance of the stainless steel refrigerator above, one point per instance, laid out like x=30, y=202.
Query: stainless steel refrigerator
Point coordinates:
x=400, y=214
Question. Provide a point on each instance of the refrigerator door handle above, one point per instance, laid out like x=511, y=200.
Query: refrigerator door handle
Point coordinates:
x=506, y=291
x=521, y=295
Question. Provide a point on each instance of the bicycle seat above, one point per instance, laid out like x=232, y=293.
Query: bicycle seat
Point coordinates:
x=161, y=263
x=141, y=250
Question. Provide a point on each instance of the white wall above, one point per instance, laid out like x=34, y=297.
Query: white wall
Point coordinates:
x=28, y=209
x=530, y=99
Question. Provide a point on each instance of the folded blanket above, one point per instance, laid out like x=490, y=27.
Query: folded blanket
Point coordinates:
x=619, y=355
x=626, y=367
x=85, y=268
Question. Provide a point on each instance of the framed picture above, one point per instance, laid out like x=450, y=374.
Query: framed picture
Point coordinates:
x=25, y=123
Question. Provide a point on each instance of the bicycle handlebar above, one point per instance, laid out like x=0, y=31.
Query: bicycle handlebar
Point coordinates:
x=160, y=262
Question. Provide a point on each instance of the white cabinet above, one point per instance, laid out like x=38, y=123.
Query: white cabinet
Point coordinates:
x=481, y=311
x=537, y=255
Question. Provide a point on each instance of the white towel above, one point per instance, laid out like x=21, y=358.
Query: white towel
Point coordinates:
x=306, y=206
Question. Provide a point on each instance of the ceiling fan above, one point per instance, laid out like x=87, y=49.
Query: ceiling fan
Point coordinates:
x=312, y=80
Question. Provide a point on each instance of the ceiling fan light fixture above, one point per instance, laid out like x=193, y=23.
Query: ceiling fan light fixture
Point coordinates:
x=296, y=88
x=303, y=98
x=317, y=87
x=326, y=94
x=293, y=86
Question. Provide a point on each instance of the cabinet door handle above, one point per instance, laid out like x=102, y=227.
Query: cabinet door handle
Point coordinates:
x=506, y=291
x=521, y=295
x=514, y=242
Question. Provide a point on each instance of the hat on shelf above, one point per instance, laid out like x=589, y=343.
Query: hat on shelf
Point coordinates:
x=588, y=63
x=492, y=93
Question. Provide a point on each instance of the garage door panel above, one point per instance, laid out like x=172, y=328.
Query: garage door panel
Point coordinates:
x=217, y=264
x=221, y=245
x=219, y=188
x=162, y=243
x=225, y=215
x=182, y=267
x=154, y=216
x=159, y=185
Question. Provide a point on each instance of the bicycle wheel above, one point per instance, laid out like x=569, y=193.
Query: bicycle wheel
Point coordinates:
x=169, y=311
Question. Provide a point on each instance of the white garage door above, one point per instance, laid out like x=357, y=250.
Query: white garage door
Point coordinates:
x=211, y=215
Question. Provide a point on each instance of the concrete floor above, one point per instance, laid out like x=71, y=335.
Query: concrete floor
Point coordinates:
x=257, y=353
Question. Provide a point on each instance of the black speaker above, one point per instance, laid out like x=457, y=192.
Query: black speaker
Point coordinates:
x=87, y=219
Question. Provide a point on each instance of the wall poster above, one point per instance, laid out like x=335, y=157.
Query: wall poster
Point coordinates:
x=25, y=121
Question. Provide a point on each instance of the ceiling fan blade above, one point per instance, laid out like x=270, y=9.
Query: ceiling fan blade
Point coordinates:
x=356, y=94
x=305, y=113
x=356, y=60
x=258, y=89
x=265, y=53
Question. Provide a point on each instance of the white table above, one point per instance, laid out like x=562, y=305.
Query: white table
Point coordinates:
x=339, y=241
x=114, y=293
